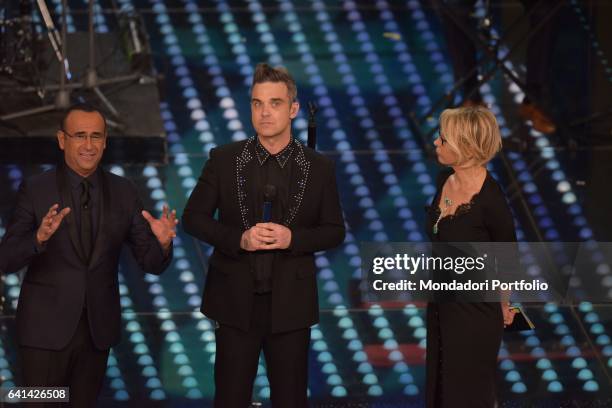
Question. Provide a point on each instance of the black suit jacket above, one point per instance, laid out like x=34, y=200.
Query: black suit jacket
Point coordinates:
x=314, y=217
x=58, y=281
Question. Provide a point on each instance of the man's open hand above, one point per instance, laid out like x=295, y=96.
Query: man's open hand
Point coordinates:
x=164, y=227
x=50, y=223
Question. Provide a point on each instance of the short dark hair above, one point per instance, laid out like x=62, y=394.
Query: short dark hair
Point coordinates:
x=267, y=73
x=83, y=107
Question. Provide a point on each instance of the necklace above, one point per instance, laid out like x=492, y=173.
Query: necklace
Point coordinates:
x=447, y=204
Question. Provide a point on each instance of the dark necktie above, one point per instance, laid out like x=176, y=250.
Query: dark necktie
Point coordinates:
x=86, y=230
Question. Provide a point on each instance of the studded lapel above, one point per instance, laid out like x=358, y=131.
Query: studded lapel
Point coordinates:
x=242, y=186
x=297, y=185
x=298, y=182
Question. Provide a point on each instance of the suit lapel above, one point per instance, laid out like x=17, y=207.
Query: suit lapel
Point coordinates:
x=297, y=185
x=244, y=184
x=63, y=186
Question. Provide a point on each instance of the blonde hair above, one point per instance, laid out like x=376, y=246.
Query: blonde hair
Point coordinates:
x=472, y=133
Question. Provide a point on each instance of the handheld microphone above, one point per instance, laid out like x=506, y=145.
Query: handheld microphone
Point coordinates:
x=269, y=196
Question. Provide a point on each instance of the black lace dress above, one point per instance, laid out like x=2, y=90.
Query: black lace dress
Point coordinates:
x=463, y=339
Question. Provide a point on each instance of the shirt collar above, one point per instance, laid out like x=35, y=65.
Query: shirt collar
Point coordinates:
x=281, y=157
x=76, y=179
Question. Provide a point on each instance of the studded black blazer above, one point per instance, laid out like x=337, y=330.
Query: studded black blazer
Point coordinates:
x=219, y=211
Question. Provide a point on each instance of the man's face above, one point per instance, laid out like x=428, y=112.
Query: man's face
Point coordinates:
x=271, y=109
x=83, y=141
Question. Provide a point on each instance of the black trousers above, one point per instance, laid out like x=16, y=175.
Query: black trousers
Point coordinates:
x=237, y=357
x=79, y=366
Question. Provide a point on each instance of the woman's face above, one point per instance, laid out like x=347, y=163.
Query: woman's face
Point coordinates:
x=445, y=154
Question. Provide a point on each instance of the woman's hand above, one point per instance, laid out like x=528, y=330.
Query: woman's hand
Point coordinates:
x=508, y=313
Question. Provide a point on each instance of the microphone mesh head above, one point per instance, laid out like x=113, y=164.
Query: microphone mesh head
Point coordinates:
x=269, y=192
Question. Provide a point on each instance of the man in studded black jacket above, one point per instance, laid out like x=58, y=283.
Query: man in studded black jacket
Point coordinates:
x=261, y=285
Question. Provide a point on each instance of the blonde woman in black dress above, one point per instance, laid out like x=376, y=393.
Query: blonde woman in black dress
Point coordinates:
x=463, y=339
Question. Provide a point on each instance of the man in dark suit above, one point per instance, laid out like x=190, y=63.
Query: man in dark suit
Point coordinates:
x=68, y=228
x=277, y=204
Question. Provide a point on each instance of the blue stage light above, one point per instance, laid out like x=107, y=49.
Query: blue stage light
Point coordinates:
x=112, y=371
x=334, y=379
x=121, y=395
x=375, y=390
x=507, y=364
x=513, y=376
